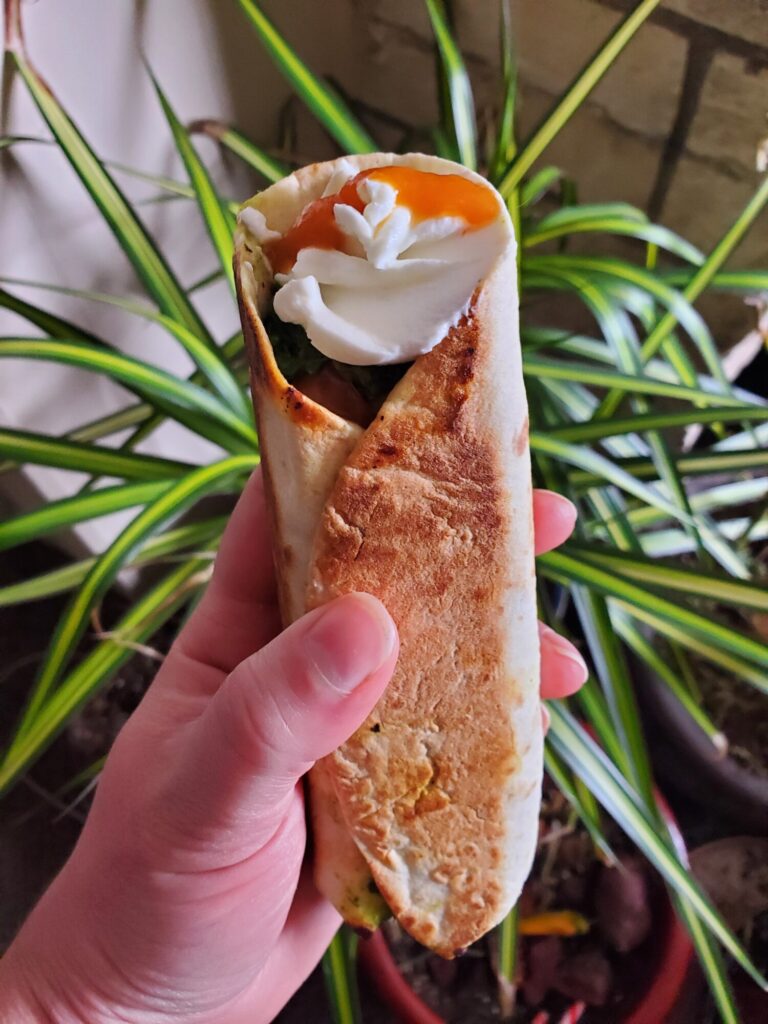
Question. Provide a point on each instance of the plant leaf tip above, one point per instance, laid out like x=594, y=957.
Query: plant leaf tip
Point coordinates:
x=14, y=33
x=721, y=745
x=207, y=126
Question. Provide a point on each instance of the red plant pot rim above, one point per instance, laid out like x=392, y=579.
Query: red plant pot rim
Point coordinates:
x=675, y=957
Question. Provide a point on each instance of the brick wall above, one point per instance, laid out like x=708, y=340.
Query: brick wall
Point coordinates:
x=673, y=127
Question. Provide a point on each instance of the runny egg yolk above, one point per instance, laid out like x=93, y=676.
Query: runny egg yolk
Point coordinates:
x=424, y=193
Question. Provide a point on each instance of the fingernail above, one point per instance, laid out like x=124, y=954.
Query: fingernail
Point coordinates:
x=566, y=505
x=562, y=648
x=545, y=718
x=351, y=638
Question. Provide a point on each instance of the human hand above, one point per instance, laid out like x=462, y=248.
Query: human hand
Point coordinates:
x=185, y=898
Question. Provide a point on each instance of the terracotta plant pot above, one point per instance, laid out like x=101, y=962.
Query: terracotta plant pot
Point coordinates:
x=674, y=957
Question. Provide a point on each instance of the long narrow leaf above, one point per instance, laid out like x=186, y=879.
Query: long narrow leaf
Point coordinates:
x=596, y=430
x=670, y=577
x=568, y=217
x=44, y=450
x=619, y=332
x=700, y=280
x=179, y=398
x=324, y=103
x=142, y=620
x=592, y=348
x=711, y=961
x=506, y=934
x=7, y=141
x=150, y=265
x=54, y=326
x=141, y=413
x=592, y=701
x=723, y=280
x=161, y=181
x=747, y=460
x=564, y=565
x=339, y=972
x=647, y=283
x=605, y=469
x=575, y=96
x=712, y=649
x=537, y=186
x=273, y=170
x=646, y=652
x=597, y=710
x=78, y=509
x=595, y=376
x=211, y=363
x=218, y=219
x=671, y=543
x=611, y=668
x=462, y=107
x=506, y=143
x=586, y=758
x=567, y=786
x=558, y=225
x=73, y=622
x=59, y=581
x=730, y=495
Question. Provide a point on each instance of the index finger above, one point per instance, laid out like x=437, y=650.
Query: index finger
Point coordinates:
x=238, y=613
x=554, y=518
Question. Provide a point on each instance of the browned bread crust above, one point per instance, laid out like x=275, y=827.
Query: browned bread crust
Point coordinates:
x=419, y=517
x=430, y=510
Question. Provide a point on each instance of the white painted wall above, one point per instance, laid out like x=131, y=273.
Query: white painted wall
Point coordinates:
x=210, y=63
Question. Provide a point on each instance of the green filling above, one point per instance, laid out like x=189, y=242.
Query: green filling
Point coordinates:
x=371, y=909
x=294, y=352
x=296, y=356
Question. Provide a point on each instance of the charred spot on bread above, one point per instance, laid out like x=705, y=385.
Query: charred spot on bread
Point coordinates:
x=521, y=441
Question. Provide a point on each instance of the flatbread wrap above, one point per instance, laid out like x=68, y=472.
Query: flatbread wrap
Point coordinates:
x=378, y=297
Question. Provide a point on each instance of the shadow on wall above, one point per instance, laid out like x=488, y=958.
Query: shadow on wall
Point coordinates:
x=327, y=36
x=385, y=71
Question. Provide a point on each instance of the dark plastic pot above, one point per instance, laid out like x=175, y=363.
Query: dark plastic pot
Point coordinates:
x=711, y=779
x=674, y=958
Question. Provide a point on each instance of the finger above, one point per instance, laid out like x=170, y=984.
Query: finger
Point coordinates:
x=310, y=927
x=245, y=544
x=563, y=670
x=281, y=709
x=238, y=613
x=546, y=718
x=554, y=517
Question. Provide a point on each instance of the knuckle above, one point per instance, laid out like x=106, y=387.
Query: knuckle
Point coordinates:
x=257, y=715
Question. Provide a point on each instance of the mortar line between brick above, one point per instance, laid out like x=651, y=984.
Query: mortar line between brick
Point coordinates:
x=697, y=64
x=425, y=44
x=683, y=25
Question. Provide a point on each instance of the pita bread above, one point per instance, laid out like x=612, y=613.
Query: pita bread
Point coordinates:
x=435, y=798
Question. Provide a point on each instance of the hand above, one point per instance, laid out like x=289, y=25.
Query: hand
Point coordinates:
x=185, y=898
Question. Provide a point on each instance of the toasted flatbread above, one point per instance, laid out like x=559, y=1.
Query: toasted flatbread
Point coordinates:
x=435, y=798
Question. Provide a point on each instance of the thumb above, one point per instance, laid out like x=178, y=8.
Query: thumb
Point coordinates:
x=292, y=702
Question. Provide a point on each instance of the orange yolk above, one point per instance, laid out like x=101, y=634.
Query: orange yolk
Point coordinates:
x=425, y=194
